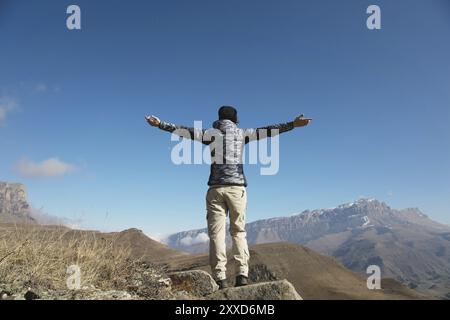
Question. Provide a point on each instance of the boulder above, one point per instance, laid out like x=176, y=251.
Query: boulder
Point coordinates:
x=195, y=282
x=274, y=290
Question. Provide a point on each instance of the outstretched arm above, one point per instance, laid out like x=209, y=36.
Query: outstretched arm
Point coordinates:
x=273, y=130
x=186, y=132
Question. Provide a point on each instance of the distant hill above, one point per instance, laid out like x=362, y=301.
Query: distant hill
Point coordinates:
x=142, y=246
x=406, y=244
x=14, y=207
x=135, y=240
x=314, y=276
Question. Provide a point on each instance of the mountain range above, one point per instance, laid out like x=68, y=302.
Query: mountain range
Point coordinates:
x=406, y=244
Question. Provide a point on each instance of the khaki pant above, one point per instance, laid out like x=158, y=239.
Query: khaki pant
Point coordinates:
x=221, y=200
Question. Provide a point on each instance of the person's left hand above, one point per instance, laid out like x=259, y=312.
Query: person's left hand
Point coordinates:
x=153, y=121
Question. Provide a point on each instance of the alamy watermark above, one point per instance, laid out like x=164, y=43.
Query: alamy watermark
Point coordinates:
x=73, y=280
x=374, y=280
x=374, y=20
x=227, y=147
x=73, y=21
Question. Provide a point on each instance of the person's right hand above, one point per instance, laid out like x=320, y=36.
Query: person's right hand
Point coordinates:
x=301, y=122
x=153, y=121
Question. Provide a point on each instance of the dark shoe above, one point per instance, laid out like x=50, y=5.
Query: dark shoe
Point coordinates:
x=241, y=281
x=222, y=284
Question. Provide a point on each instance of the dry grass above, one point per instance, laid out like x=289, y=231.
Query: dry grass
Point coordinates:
x=38, y=256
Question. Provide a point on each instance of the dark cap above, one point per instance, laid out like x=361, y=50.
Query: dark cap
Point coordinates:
x=228, y=113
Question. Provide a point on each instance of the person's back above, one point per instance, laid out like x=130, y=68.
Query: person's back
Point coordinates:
x=226, y=164
x=226, y=157
x=227, y=185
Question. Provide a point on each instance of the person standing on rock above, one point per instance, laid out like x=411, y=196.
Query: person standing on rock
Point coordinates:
x=227, y=185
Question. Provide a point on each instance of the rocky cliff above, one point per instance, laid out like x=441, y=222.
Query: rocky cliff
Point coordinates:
x=14, y=206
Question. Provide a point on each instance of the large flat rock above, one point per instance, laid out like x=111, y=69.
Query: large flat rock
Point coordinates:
x=274, y=290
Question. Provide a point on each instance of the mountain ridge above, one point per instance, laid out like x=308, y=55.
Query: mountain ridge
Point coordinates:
x=410, y=215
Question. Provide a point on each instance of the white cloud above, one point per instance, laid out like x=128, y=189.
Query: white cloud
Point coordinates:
x=157, y=237
x=52, y=167
x=40, y=87
x=200, y=238
x=7, y=104
x=44, y=218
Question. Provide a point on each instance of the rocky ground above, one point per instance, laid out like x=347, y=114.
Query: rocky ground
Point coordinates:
x=149, y=284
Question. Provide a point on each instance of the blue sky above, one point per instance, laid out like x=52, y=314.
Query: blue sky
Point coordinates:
x=380, y=102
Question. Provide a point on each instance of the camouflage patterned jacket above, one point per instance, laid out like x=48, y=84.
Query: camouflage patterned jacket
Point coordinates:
x=226, y=142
